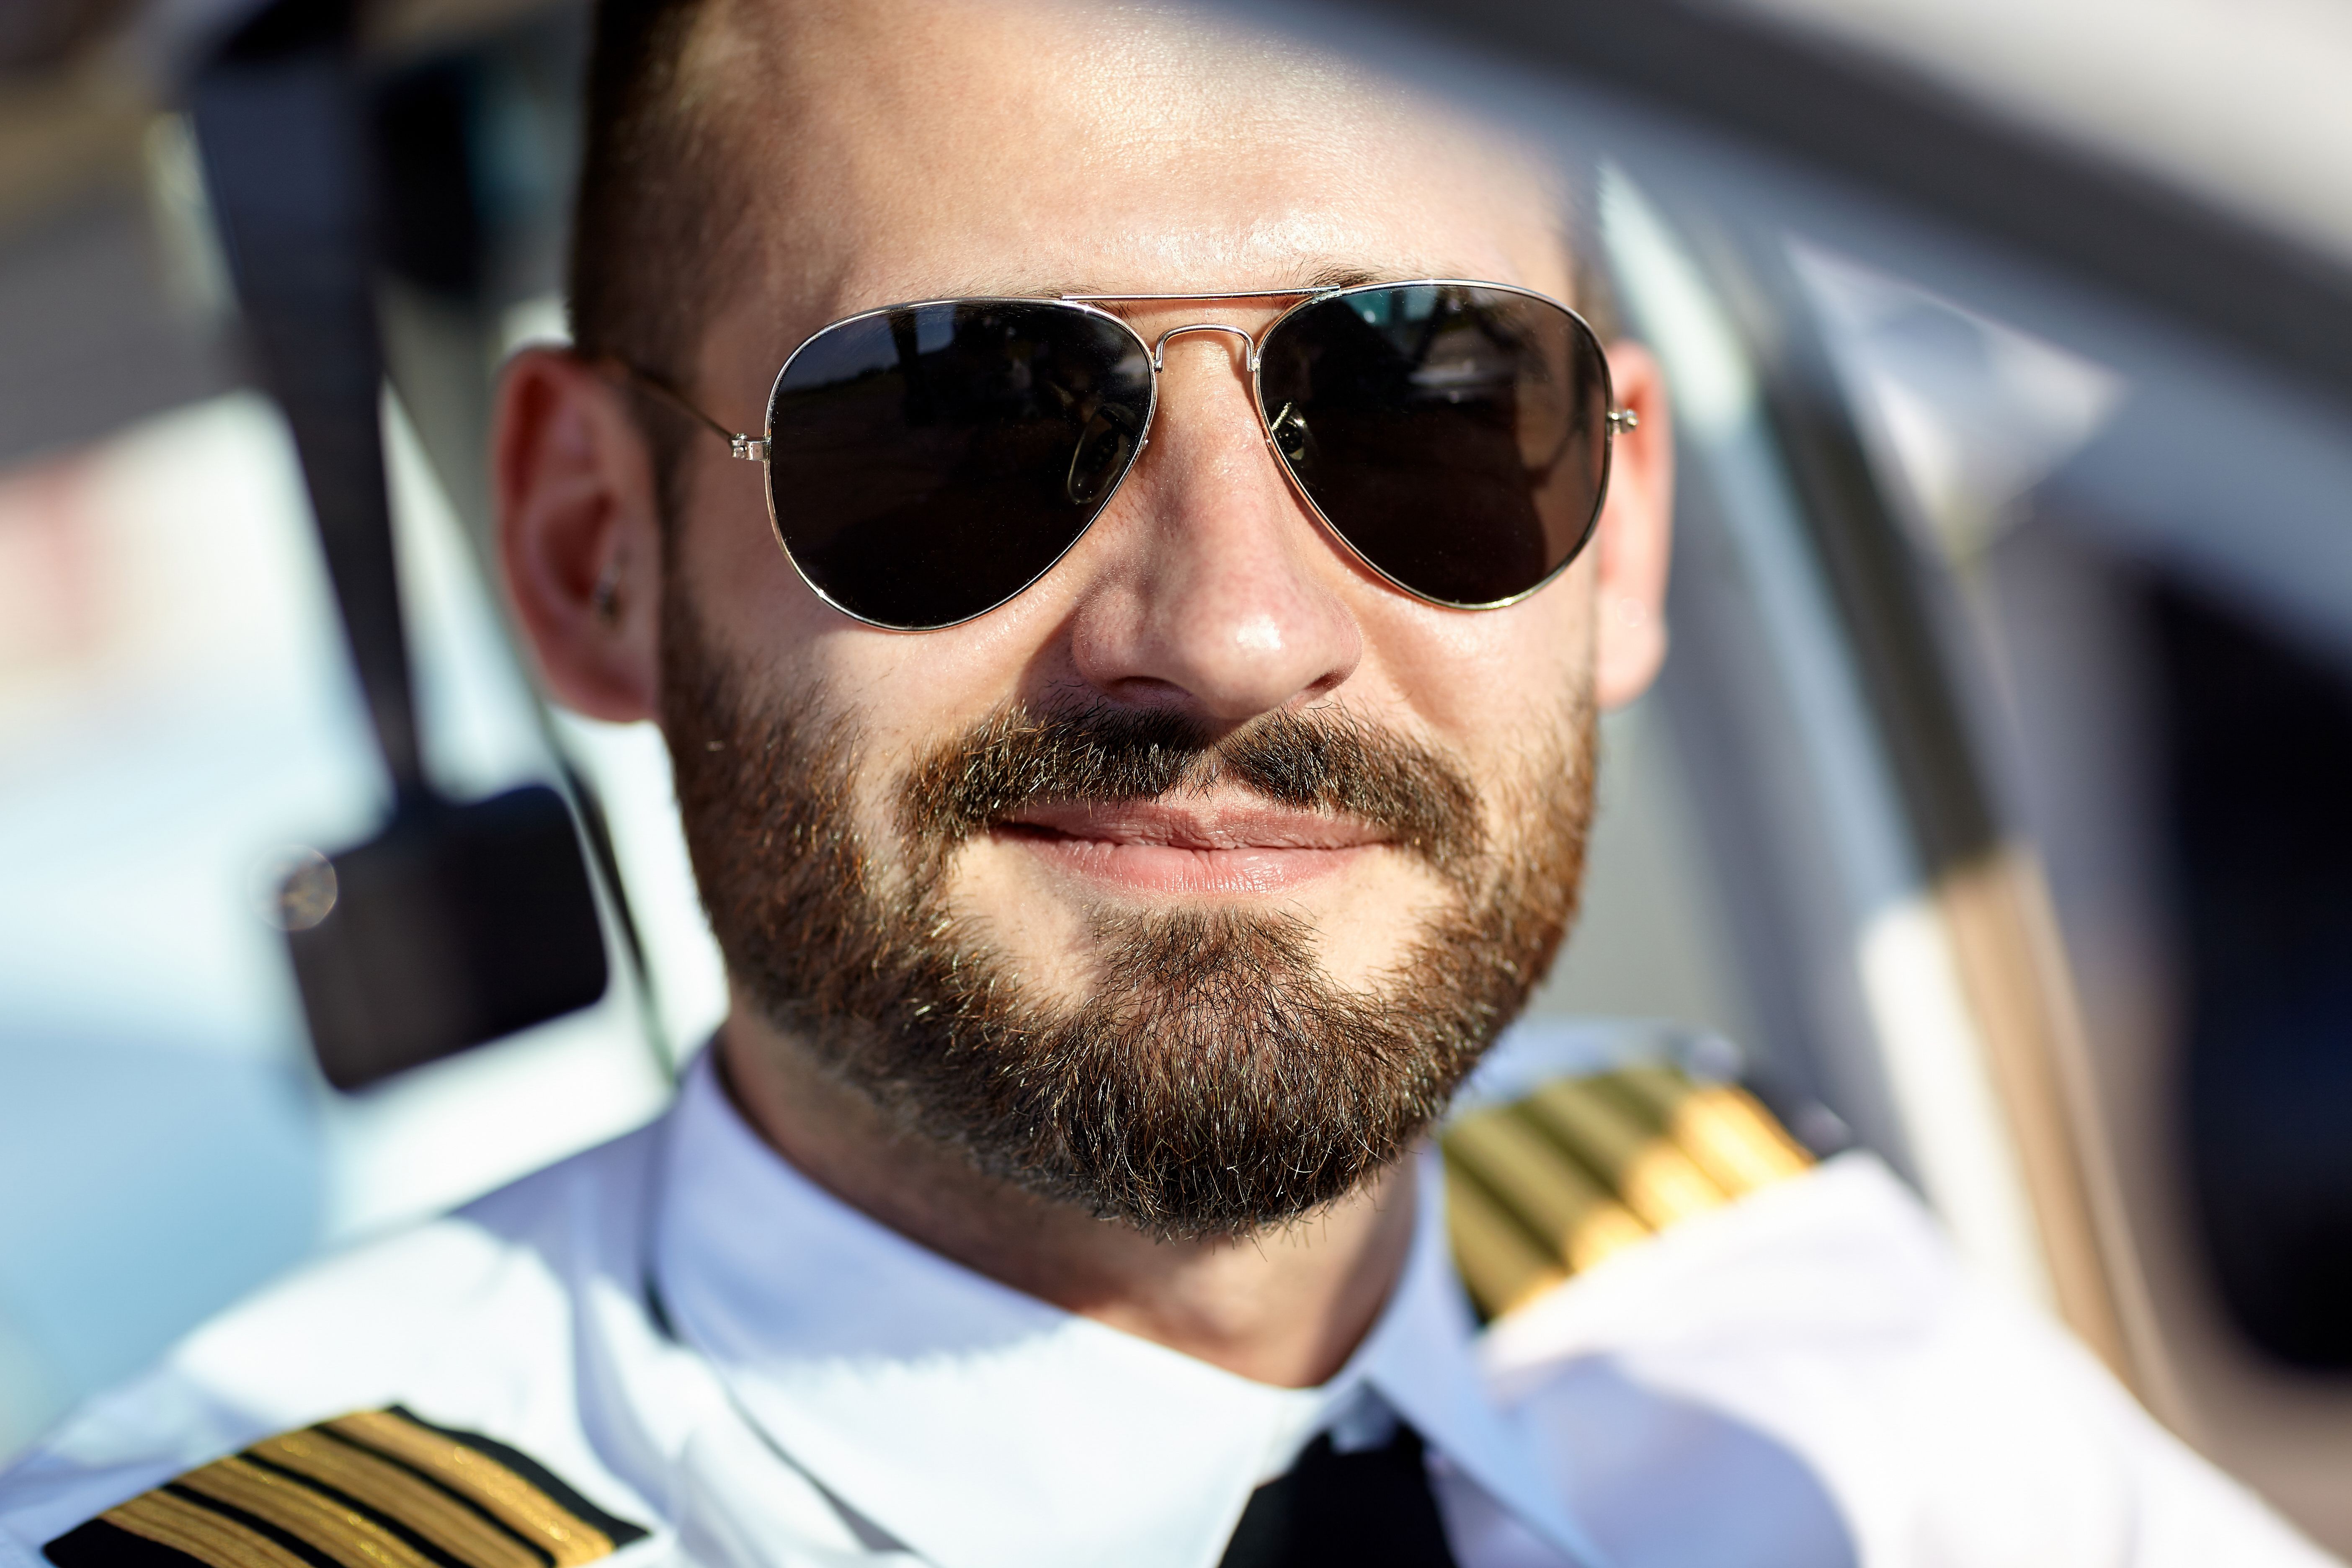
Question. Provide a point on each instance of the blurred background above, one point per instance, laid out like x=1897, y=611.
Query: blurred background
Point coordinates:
x=1995, y=806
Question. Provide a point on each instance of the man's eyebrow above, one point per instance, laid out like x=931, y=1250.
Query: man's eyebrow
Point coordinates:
x=1338, y=276
x=1316, y=280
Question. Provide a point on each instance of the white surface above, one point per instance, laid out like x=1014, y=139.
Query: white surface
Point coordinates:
x=1958, y=1134
x=2241, y=101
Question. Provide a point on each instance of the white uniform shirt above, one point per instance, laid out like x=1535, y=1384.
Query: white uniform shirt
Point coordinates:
x=700, y=1341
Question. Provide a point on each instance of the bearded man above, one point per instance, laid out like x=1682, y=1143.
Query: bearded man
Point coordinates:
x=1150, y=773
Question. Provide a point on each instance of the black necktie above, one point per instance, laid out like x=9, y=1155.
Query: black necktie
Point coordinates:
x=1370, y=1509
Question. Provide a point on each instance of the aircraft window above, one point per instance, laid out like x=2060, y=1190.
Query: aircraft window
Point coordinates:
x=2146, y=605
x=175, y=717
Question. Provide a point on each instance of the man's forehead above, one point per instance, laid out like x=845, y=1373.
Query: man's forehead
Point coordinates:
x=1038, y=147
x=874, y=57
x=1285, y=281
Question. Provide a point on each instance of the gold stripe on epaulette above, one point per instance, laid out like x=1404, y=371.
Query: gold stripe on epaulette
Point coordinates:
x=1543, y=1188
x=517, y=1503
x=1656, y=1180
x=1492, y=1248
x=197, y=1531
x=1737, y=1139
x=384, y=1487
x=384, y=1490
x=1573, y=1216
x=344, y=1535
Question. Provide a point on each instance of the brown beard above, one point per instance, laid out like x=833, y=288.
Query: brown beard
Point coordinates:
x=1214, y=1080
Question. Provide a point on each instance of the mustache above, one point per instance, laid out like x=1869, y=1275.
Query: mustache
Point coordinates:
x=1323, y=759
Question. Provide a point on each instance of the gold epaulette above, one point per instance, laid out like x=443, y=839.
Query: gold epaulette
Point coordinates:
x=382, y=1489
x=1548, y=1185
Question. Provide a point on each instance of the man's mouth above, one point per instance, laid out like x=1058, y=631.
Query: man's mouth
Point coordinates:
x=1147, y=846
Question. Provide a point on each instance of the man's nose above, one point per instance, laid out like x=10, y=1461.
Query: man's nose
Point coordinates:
x=1218, y=591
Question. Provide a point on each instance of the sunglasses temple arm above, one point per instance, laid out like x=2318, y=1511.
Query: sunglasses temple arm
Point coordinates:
x=753, y=448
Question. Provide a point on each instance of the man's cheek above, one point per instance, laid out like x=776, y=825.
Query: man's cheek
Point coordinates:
x=991, y=896
x=1359, y=932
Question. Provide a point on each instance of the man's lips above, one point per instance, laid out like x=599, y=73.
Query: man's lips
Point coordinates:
x=1147, y=846
x=1236, y=827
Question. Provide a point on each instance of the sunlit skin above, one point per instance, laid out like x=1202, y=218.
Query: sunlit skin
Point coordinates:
x=938, y=150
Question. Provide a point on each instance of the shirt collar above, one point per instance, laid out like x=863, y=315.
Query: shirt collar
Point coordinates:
x=984, y=1428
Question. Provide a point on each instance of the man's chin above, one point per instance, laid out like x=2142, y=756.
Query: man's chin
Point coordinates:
x=1054, y=906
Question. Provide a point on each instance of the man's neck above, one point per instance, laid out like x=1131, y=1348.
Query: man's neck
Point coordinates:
x=1285, y=1306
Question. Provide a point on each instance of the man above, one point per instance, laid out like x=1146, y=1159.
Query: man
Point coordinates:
x=1151, y=773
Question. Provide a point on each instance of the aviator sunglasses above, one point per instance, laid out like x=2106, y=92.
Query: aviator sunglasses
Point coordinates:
x=928, y=462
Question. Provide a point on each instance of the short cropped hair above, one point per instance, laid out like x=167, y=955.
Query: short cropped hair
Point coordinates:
x=653, y=228
x=645, y=252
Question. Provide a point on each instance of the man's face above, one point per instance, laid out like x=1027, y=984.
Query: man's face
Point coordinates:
x=1187, y=884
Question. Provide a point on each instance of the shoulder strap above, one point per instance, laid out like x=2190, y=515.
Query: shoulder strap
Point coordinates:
x=381, y=1488
x=1549, y=1185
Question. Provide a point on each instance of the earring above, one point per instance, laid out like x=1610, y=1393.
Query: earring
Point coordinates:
x=606, y=599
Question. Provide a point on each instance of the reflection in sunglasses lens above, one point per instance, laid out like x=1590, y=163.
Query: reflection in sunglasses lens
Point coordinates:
x=1454, y=436
x=927, y=463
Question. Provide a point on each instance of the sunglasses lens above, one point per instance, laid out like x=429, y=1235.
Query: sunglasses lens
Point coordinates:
x=1456, y=436
x=927, y=464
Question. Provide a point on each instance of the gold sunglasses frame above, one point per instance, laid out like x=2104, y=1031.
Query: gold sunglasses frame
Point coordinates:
x=755, y=449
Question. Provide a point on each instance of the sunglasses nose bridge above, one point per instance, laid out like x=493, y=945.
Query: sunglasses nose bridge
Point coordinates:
x=1159, y=348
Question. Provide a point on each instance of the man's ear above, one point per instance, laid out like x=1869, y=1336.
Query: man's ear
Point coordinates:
x=580, y=534
x=1635, y=538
